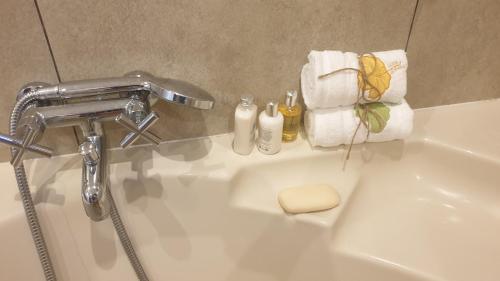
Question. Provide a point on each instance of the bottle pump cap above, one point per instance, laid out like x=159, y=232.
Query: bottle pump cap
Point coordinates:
x=246, y=100
x=272, y=108
x=291, y=98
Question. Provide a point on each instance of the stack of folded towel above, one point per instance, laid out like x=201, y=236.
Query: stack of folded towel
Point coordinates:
x=331, y=118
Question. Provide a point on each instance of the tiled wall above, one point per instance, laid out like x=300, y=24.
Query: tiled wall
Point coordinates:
x=25, y=57
x=453, y=52
x=234, y=47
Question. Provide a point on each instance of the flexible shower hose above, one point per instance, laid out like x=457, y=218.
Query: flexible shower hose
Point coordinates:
x=126, y=244
x=24, y=102
x=24, y=191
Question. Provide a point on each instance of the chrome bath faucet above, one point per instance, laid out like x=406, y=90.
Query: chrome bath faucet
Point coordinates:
x=86, y=104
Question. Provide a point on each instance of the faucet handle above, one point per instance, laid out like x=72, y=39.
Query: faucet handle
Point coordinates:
x=139, y=130
x=24, y=145
x=32, y=130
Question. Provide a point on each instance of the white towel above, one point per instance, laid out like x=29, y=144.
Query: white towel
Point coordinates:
x=341, y=89
x=332, y=127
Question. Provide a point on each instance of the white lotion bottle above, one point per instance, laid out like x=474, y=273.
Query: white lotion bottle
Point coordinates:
x=245, y=117
x=270, y=129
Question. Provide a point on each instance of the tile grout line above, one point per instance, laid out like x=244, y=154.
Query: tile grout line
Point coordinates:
x=411, y=25
x=51, y=52
x=47, y=40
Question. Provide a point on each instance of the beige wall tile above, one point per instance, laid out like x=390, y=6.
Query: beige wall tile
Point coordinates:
x=228, y=47
x=453, y=52
x=24, y=57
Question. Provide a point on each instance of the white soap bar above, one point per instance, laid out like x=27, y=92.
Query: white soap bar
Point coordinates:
x=308, y=198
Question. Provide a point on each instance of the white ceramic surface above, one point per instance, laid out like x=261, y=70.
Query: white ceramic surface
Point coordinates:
x=425, y=209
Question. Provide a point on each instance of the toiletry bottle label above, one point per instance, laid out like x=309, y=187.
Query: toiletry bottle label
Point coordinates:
x=266, y=135
x=265, y=138
x=291, y=123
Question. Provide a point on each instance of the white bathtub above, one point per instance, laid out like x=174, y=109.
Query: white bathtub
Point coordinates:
x=427, y=209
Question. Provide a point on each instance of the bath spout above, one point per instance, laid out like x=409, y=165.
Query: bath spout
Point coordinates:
x=94, y=178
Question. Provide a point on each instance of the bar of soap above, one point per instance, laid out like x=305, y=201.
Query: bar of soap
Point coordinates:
x=308, y=198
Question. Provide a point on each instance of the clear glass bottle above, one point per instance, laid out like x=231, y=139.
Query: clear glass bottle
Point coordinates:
x=245, y=117
x=292, y=114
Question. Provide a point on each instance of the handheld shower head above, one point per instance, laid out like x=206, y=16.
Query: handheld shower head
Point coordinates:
x=176, y=91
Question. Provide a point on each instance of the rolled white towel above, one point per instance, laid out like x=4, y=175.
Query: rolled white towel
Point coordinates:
x=341, y=89
x=332, y=127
